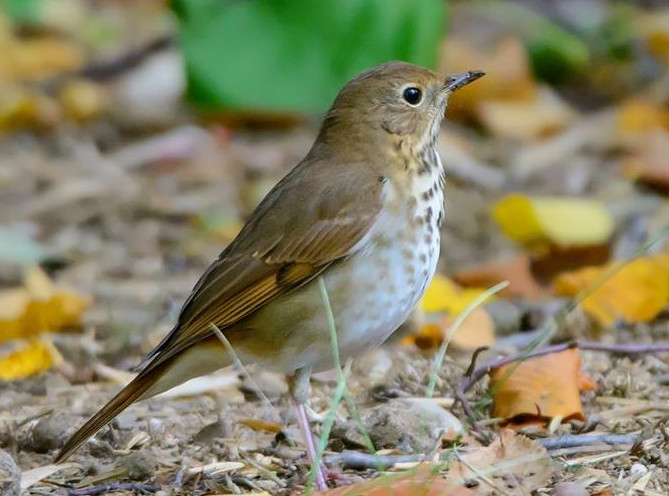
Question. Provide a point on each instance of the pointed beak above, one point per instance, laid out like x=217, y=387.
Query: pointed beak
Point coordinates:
x=457, y=81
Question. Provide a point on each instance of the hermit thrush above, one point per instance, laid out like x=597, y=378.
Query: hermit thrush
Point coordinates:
x=362, y=211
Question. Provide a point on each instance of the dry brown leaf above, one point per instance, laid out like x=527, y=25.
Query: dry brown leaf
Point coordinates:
x=422, y=481
x=514, y=464
x=648, y=163
x=527, y=120
x=508, y=73
x=38, y=307
x=516, y=271
x=636, y=293
x=538, y=389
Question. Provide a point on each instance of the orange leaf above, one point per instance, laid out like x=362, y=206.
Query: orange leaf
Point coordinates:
x=260, y=425
x=639, y=116
x=420, y=482
x=538, y=388
x=636, y=293
x=514, y=270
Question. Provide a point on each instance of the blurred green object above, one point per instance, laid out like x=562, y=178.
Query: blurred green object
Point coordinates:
x=19, y=249
x=26, y=11
x=294, y=55
x=555, y=53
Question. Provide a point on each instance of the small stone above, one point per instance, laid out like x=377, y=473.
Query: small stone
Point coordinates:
x=569, y=489
x=10, y=475
x=139, y=465
x=411, y=425
x=50, y=433
x=638, y=470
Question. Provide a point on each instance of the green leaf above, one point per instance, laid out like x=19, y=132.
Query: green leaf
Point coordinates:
x=22, y=10
x=289, y=55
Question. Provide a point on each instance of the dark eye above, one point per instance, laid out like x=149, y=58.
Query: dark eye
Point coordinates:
x=412, y=95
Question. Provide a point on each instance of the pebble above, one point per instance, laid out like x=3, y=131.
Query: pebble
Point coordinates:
x=10, y=475
x=50, y=433
x=570, y=489
x=638, y=470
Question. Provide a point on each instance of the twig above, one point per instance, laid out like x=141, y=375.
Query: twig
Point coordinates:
x=571, y=441
x=364, y=461
x=439, y=357
x=479, y=372
x=114, y=486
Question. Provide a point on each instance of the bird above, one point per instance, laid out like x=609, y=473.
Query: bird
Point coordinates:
x=359, y=215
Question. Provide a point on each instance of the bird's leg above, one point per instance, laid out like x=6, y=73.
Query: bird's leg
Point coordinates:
x=299, y=391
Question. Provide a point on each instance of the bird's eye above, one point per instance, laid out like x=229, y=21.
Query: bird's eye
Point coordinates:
x=412, y=95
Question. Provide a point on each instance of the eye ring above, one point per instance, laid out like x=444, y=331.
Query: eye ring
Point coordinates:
x=412, y=95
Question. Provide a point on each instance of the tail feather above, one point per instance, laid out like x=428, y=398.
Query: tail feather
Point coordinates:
x=137, y=389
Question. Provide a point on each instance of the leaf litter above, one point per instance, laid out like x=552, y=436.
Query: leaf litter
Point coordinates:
x=127, y=212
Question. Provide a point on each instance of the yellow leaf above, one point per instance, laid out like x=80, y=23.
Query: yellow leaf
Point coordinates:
x=636, y=293
x=445, y=296
x=38, y=307
x=35, y=357
x=439, y=295
x=541, y=221
x=639, y=116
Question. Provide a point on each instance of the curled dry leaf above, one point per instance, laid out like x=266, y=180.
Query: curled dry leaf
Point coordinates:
x=443, y=301
x=537, y=389
x=421, y=481
x=636, y=293
x=544, y=221
x=515, y=270
x=38, y=307
x=513, y=465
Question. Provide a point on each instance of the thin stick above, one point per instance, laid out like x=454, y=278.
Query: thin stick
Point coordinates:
x=571, y=441
x=339, y=391
x=439, y=358
x=240, y=365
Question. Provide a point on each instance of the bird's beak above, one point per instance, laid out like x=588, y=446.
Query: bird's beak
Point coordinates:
x=457, y=81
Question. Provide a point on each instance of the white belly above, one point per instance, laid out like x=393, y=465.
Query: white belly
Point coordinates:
x=371, y=293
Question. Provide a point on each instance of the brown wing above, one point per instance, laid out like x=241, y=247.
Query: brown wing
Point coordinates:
x=316, y=215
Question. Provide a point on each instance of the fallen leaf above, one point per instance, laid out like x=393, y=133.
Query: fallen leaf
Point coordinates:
x=538, y=389
x=647, y=164
x=529, y=120
x=38, y=307
x=640, y=116
x=508, y=73
x=421, y=481
x=513, y=461
x=32, y=358
x=542, y=221
x=443, y=301
x=636, y=293
x=554, y=260
x=33, y=476
x=516, y=271
x=260, y=425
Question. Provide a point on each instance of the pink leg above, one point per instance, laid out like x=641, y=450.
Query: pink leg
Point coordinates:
x=311, y=445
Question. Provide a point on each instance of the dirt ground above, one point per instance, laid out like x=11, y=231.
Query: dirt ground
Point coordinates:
x=132, y=205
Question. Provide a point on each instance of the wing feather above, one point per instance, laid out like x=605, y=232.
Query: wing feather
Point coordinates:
x=310, y=220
